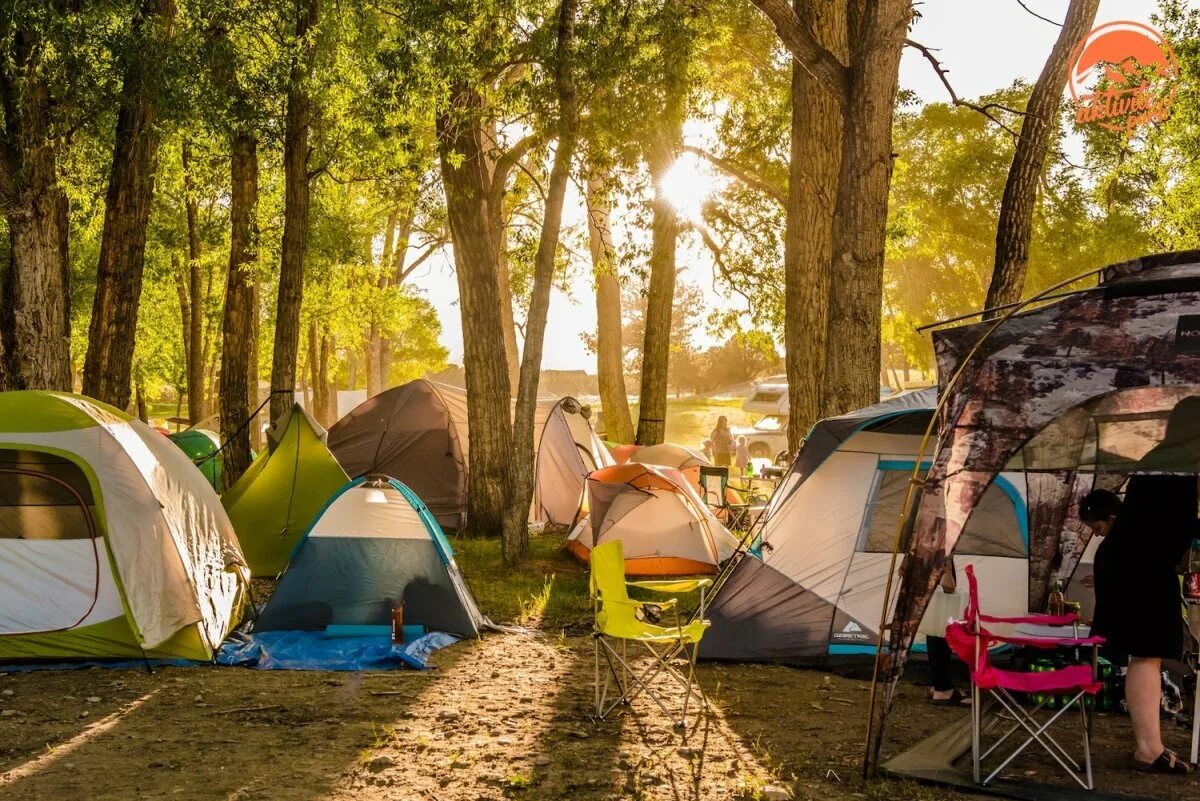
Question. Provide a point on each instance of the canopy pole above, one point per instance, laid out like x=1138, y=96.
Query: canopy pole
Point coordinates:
x=877, y=732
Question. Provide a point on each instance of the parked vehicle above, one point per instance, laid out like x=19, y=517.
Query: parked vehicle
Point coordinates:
x=768, y=435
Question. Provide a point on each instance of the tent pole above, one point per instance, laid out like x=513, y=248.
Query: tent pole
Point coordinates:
x=876, y=733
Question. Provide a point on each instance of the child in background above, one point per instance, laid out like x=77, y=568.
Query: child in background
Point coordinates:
x=742, y=456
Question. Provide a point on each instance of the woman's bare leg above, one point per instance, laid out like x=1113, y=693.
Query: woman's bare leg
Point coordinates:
x=1143, y=695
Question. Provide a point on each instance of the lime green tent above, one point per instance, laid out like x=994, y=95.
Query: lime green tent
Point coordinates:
x=201, y=447
x=274, y=502
x=111, y=543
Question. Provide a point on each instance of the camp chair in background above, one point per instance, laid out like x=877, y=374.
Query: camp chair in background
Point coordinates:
x=620, y=619
x=714, y=486
x=1078, y=683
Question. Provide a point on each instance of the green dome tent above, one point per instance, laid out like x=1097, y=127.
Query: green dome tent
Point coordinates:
x=200, y=445
x=275, y=501
x=111, y=544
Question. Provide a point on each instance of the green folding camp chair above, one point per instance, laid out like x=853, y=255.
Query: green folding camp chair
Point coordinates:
x=620, y=619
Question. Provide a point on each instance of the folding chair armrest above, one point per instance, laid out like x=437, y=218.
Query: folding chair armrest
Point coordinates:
x=667, y=604
x=683, y=585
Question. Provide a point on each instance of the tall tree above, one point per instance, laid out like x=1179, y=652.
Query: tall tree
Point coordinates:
x=663, y=146
x=521, y=475
x=35, y=324
x=109, y=359
x=877, y=35
x=237, y=329
x=197, y=295
x=295, y=210
x=815, y=157
x=1014, y=228
x=610, y=371
x=466, y=179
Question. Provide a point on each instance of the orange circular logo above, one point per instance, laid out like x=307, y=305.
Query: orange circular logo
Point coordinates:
x=1123, y=74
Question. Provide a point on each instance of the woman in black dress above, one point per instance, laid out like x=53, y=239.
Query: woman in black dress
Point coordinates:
x=1138, y=602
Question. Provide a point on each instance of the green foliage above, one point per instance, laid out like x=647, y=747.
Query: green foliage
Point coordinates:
x=947, y=184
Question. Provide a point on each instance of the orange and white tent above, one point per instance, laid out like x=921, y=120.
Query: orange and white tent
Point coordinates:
x=655, y=511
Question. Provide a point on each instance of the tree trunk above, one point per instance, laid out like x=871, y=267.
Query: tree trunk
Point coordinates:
x=610, y=369
x=374, y=344
x=1014, y=228
x=661, y=152
x=238, y=327
x=404, y=227
x=816, y=148
x=198, y=294
x=512, y=353
x=295, y=216
x=185, y=304
x=319, y=351
x=253, y=368
x=467, y=186
x=521, y=472
x=860, y=221
x=35, y=323
x=113, y=328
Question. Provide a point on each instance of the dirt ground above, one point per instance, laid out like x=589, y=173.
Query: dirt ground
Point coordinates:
x=506, y=717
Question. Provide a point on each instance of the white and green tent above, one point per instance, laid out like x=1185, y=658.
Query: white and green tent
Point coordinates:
x=112, y=544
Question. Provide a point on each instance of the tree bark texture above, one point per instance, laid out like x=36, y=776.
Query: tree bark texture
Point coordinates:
x=610, y=367
x=521, y=473
x=465, y=177
x=320, y=349
x=816, y=148
x=253, y=367
x=113, y=328
x=1014, y=228
x=198, y=295
x=878, y=31
x=35, y=324
x=662, y=149
x=237, y=328
x=298, y=119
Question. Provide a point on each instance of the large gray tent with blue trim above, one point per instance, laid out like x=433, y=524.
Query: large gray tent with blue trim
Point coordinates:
x=813, y=586
x=373, y=548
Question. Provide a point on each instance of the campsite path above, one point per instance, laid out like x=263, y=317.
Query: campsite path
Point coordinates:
x=506, y=717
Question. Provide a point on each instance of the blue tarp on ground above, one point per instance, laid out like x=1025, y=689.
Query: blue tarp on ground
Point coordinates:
x=309, y=650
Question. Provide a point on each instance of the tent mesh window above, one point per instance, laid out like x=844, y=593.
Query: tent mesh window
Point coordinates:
x=992, y=530
x=44, y=497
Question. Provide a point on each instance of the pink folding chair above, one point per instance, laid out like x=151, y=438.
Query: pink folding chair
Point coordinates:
x=970, y=640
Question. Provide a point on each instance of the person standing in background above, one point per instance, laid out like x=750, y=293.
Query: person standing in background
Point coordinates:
x=722, y=443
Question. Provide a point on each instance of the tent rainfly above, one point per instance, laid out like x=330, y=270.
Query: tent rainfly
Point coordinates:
x=203, y=448
x=112, y=545
x=1078, y=393
x=665, y=527
x=813, y=588
x=418, y=433
x=374, y=548
x=275, y=500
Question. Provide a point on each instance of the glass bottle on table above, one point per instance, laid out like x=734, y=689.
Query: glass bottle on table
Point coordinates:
x=1056, y=604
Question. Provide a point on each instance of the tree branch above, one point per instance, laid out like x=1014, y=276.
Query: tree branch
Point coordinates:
x=804, y=47
x=407, y=270
x=1021, y=3
x=742, y=173
x=505, y=163
x=943, y=75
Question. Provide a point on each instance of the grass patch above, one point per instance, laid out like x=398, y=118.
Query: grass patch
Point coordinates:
x=548, y=591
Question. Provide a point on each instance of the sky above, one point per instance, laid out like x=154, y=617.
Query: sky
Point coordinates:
x=985, y=44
